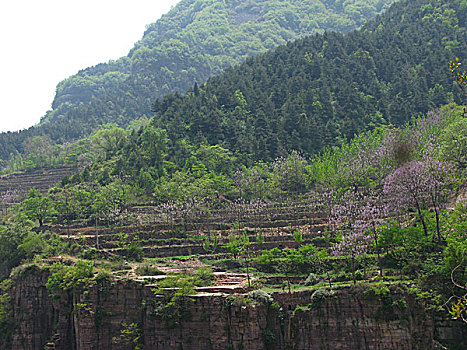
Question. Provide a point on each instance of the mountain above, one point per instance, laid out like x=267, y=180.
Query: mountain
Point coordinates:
x=319, y=90
x=195, y=40
x=306, y=96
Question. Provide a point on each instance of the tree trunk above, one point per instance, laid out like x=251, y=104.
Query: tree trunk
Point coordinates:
x=422, y=219
x=375, y=235
x=353, y=271
x=435, y=207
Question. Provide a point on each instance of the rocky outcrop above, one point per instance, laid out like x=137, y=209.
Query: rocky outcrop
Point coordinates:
x=121, y=315
x=38, y=318
x=351, y=319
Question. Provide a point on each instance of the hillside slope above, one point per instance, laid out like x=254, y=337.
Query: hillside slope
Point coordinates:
x=195, y=40
x=316, y=91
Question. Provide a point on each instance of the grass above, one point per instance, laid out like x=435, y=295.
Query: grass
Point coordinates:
x=335, y=285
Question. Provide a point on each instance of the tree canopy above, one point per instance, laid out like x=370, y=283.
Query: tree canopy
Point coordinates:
x=195, y=40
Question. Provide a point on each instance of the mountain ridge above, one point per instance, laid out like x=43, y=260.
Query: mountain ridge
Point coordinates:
x=316, y=91
x=123, y=90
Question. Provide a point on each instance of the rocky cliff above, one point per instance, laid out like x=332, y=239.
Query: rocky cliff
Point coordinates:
x=127, y=315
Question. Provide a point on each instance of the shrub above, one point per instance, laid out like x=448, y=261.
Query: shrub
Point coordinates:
x=148, y=270
x=311, y=280
x=298, y=236
x=134, y=251
x=90, y=253
x=269, y=338
x=204, y=276
x=319, y=296
x=70, y=277
x=104, y=280
x=130, y=334
x=100, y=315
x=237, y=300
x=401, y=304
x=261, y=296
x=174, y=305
x=380, y=290
x=359, y=275
x=341, y=277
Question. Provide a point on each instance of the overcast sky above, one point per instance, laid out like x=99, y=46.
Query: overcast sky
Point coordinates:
x=45, y=41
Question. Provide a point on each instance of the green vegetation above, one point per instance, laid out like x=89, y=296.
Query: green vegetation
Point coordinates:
x=362, y=190
x=261, y=296
x=7, y=324
x=130, y=335
x=403, y=246
x=65, y=278
x=194, y=41
x=421, y=241
x=320, y=90
x=175, y=292
x=308, y=95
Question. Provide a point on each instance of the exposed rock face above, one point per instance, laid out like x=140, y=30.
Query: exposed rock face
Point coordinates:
x=349, y=320
x=94, y=319
x=38, y=319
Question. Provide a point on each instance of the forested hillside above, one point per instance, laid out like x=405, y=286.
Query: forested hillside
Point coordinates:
x=319, y=90
x=317, y=182
x=195, y=40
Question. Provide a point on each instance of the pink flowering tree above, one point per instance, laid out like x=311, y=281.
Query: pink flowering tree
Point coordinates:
x=440, y=177
x=169, y=211
x=419, y=185
x=192, y=210
x=245, y=212
x=368, y=213
x=352, y=245
x=372, y=216
x=290, y=174
x=359, y=213
x=253, y=182
x=406, y=188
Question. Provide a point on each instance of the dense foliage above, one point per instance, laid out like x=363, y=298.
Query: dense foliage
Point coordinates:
x=195, y=40
x=375, y=229
x=387, y=204
x=325, y=88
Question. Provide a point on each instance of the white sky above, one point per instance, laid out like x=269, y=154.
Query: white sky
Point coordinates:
x=45, y=41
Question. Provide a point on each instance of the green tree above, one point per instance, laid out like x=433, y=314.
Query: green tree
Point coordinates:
x=72, y=203
x=39, y=151
x=454, y=145
x=37, y=206
x=11, y=238
x=106, y=140
x=234, y=245
x=154, y=146
x=210, y=243
x=245, y=252
x=192, y=42
x=298, y=236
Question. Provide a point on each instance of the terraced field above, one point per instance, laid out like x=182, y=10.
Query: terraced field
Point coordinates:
x=14, y=187
x=177, y=244
x=178, y=240
x=148, y=242
x=160, y=236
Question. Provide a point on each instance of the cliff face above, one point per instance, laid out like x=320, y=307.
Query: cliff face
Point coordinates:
x=351, y=321
x=36, y=316
x=125, y=314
